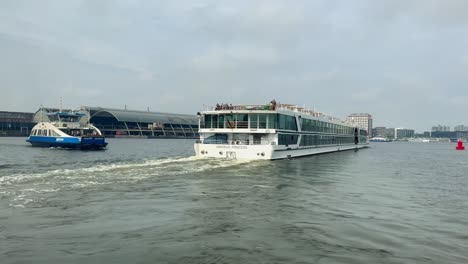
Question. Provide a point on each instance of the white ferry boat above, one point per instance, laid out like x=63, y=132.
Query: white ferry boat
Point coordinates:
x=66, y=131
x=272, y=132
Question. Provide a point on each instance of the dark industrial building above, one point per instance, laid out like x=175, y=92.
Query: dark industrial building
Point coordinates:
x=130, y=123
x=16, y=123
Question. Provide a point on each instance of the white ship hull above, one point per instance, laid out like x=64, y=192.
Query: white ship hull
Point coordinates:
x=264, y=152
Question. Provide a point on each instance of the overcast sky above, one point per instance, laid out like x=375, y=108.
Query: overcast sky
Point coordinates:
x=405, y=62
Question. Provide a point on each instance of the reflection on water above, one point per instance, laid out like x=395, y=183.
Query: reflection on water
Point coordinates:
x=150, y=201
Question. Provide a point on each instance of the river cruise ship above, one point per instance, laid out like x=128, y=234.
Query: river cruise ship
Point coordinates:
x=273, y=132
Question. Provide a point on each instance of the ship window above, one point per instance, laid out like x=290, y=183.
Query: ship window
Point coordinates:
x=230, y=121
x=214, y=120
x=242, y=120
x=216, y=139
x=262, y=121
x=221, y=121
x=287, y=122
x=309, y=140
x=208, y=121
x=287, y=139
x=272, y=121
x=253, y=121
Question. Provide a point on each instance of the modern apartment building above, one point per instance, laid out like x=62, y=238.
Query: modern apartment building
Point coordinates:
x=440, y=128
x=404, y=133
x=362, y=120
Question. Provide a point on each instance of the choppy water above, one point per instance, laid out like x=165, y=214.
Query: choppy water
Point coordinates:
x=150, y=201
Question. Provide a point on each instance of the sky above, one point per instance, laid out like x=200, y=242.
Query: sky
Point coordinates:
x=403, y=61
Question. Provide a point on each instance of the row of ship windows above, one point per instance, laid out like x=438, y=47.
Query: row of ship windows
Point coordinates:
x=252, y=121
x=274, y=121
x=44, y=132
x=320, y=126
x=314, y=140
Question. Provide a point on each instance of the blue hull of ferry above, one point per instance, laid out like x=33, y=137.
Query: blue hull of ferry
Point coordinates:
x=83, y=143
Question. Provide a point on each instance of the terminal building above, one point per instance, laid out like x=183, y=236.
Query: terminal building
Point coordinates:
x=132, y=123
x=16, y=123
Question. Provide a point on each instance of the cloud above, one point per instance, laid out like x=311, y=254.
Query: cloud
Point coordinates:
x=235, y=56
x=364, y=56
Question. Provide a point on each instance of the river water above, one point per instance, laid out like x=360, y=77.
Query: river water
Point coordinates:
x=151, y=201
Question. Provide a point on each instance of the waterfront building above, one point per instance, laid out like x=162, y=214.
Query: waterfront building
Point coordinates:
x=390, y=132
x=15, y=123
x=461, y=128
x=361, y=120
x=444, y=134
x=401, y=133
x=133, y=123
x=440, y=128
x=379, y=132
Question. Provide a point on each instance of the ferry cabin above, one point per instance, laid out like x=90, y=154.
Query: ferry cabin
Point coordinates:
x=255, y=133
x=65, y=130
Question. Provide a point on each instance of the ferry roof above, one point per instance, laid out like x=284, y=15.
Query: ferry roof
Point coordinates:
x=66, y=114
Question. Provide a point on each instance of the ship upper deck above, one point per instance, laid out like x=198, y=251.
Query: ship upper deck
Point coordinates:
x=270, y=108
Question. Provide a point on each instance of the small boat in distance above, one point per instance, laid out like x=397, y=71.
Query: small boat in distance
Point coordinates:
x=380, y=139
x=274, y=131
x=66, y=131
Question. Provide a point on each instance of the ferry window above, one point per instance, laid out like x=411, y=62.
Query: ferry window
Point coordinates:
x=253, y=121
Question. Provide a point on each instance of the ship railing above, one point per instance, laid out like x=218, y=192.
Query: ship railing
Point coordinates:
x=265, y=107
x=239, y=142
x=269, y=107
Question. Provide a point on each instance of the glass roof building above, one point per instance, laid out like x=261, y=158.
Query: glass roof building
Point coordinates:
x=131, y=123
x=15, y=123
